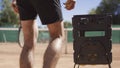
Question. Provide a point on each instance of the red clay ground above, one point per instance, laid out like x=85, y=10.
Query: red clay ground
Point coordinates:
x=9, y=56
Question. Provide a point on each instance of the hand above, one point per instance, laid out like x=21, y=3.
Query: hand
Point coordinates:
x=69, y=4
x=14, y=6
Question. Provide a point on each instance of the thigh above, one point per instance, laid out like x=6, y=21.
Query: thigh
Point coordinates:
x=30, y=32
x=56, y=29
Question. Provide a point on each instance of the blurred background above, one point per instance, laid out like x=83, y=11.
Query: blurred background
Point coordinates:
x=9, y=21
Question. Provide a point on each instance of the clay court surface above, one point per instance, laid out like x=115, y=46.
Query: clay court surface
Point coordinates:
x=9, y=56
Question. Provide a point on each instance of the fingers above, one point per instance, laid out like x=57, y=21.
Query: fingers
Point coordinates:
x=14, y=6
x=69, y=4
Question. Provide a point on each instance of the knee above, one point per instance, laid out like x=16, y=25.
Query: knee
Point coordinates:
x=30, y=42
x=28, y=45
x=56, y=40
x=55, y=44
x=56, y=36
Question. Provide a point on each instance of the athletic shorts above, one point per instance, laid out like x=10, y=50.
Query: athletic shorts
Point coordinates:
x=49, y=11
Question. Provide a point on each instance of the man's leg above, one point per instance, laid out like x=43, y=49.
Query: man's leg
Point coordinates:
x=30, y=39
x=53, y=50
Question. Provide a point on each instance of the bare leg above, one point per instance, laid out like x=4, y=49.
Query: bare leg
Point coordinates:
x=53, y=50
x=30, y=38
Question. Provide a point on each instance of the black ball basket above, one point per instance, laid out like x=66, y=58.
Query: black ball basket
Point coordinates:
x=95, y=49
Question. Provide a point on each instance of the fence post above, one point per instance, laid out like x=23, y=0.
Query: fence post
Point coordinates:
x=65, y=41
x=4, y=38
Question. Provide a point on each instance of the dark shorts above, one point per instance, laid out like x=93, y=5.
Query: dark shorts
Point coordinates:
x=49, y=11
